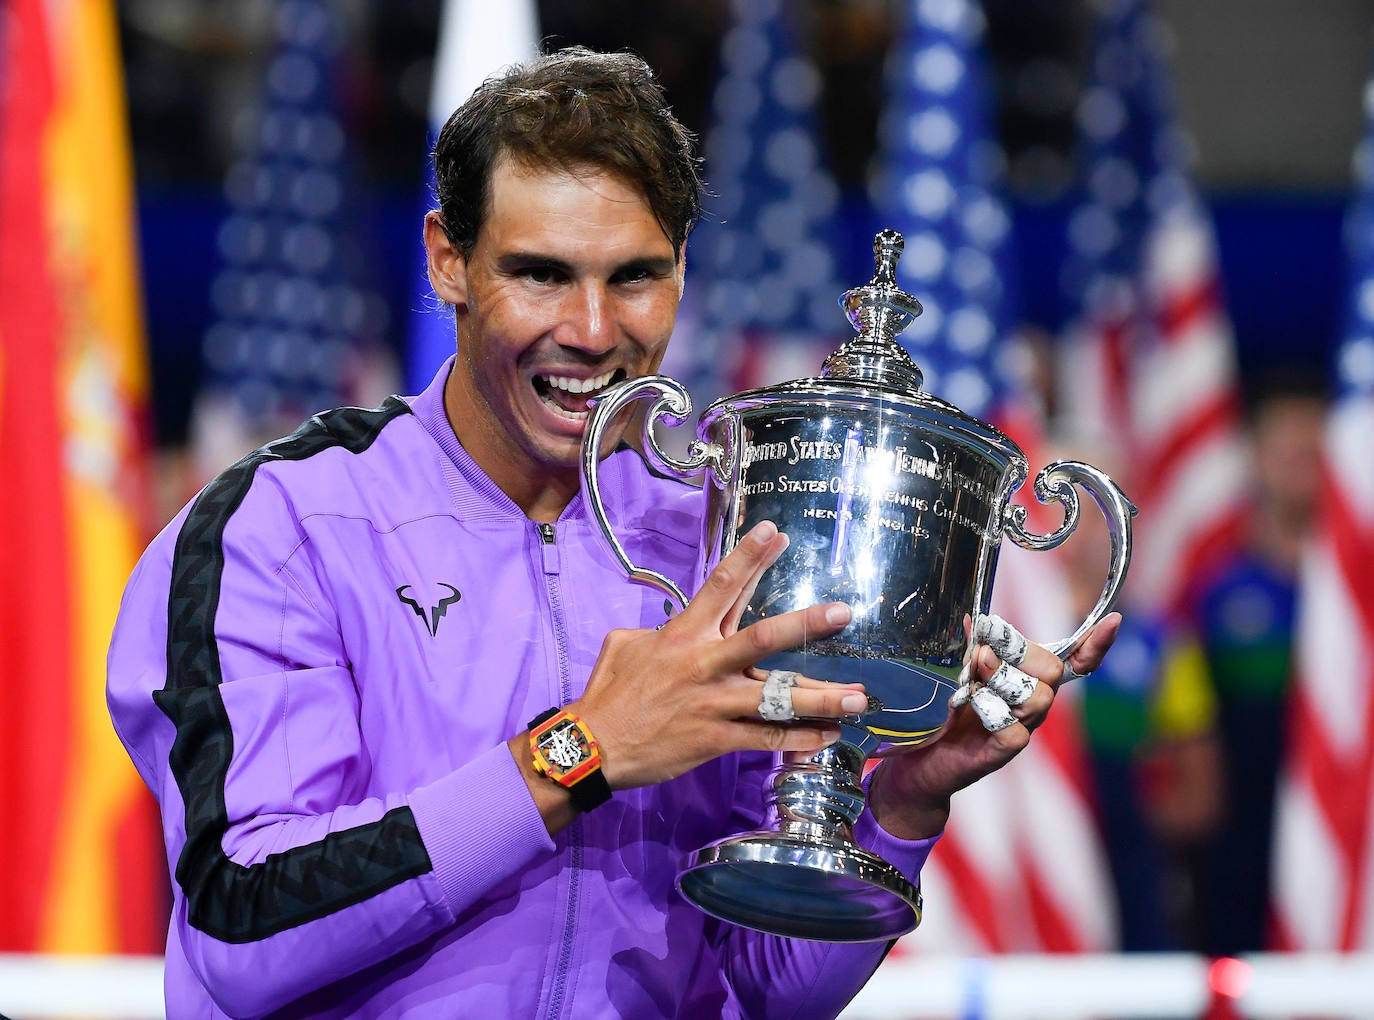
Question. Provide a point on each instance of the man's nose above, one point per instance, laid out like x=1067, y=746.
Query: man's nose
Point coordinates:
x=589, y=324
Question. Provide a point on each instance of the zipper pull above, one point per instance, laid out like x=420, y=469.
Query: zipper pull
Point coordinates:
x=549, y=540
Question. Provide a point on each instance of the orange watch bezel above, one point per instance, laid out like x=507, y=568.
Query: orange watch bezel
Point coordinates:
x=546, y=767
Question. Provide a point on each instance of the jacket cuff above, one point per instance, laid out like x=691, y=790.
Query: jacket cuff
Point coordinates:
x=479, y=826
x=907, y=855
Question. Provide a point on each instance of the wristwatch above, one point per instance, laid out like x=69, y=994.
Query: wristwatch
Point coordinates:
x=565, y=751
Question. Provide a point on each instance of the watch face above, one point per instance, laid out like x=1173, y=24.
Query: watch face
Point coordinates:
x=565, y=745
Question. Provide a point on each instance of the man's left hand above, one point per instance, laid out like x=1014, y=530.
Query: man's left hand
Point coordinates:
x=911, y=790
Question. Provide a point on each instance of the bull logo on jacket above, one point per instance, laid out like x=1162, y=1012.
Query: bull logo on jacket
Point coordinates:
x=430, y=615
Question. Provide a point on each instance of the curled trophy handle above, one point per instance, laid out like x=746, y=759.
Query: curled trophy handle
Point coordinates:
x=1056, y=483
x=672, y=406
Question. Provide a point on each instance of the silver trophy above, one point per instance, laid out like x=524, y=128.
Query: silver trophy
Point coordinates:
x=895, y=503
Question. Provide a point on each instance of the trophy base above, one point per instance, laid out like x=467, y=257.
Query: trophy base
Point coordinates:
x=806, y=888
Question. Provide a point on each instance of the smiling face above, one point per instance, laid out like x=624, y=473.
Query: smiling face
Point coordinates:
x=571, y=286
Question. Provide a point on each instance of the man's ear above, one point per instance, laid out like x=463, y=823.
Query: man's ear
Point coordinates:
x=447, y=267
x=681, y=269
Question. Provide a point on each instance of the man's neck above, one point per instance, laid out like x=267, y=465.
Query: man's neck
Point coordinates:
x=1278, y=534
x=545, y=507
x=542, y=496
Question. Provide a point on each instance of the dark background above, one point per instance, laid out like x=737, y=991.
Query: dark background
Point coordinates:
x=1271, y=91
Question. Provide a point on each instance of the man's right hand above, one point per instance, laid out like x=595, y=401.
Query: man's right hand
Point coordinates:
x=661, y=702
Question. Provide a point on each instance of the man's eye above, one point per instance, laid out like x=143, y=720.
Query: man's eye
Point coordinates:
x=541, y=274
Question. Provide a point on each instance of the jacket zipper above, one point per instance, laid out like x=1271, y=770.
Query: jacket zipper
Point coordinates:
x=549, y=539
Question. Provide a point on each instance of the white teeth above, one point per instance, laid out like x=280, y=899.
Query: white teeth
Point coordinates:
x=569, y=385
x=563, y=412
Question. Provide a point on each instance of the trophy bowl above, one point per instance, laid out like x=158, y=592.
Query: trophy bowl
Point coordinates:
x=895, y=502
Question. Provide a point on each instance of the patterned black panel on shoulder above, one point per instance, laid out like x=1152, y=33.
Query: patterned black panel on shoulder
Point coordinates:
x=229, y=901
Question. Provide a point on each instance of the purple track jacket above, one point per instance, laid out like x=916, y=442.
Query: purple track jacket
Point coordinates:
x=315, y=669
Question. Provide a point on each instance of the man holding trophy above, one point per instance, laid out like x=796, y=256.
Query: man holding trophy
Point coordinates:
x=422, y=749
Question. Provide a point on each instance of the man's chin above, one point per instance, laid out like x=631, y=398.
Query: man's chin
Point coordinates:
x=563, y=451
x=611, y=440
x=565, y=437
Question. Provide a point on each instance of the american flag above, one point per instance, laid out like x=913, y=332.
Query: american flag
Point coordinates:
x=938, y=186
x=1021, y=867
x=1150, y=367
x=763, y=282
x=477, y=39
x=1324, y=869
x=298, y=329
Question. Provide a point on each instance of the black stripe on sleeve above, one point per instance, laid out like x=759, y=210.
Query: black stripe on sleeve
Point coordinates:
x=226, y=900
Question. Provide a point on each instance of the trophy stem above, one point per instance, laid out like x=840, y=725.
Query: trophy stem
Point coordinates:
x=819, y=794
x=806, y=877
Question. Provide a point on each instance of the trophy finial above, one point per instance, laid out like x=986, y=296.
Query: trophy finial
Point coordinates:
x=880, y=310
x=887, y=249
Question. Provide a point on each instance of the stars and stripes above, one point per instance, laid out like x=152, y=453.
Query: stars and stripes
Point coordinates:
x=1324, y=869
x=1150, y=366
x=938, y=186
x=763, y=258
x=1021, y=868
x=297, y=329
x=477, y=39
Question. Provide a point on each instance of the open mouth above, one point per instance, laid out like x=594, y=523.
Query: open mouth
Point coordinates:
x=568, y=397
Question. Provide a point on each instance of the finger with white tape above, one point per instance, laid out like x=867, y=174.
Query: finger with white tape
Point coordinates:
x=992, y=710
x=1012, y=685
x=1069, y=673
x=775, y=702
x=1005, y=640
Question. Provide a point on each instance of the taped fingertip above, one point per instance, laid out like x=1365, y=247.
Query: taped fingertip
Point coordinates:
x=1012, y=685
x=983, y=626
x=1004, y=639
x=992, y=711
x=960, y=696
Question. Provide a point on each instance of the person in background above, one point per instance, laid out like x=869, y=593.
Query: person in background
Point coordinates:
x=420, y=747
x=1149, y=719
x=1245, y=613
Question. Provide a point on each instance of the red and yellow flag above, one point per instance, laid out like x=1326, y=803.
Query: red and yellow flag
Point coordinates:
x=80, y=867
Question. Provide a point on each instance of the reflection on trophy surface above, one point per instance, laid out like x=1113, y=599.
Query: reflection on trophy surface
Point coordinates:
x=895, y=502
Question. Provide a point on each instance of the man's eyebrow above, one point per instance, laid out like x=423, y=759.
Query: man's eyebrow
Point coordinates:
x=655, y=264
x=534, y=258
x=649, y=263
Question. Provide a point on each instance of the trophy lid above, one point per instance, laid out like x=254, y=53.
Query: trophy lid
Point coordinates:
x=871, y=368
x=879, y=311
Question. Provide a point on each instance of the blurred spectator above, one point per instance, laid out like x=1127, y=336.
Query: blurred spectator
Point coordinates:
x=1245, y=616
x=1148, y=715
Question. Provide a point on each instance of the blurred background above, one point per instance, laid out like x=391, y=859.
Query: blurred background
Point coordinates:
x=1269, y=92
x=1139, y=233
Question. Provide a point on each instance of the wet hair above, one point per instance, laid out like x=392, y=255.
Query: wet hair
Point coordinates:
x=571, y=109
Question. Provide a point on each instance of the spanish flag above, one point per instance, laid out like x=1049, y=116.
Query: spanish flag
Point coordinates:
x=80, y=868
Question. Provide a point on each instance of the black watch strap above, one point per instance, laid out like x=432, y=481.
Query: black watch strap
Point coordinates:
x=591, y=792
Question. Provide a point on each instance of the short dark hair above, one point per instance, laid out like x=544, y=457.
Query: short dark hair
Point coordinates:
x=569, y=109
